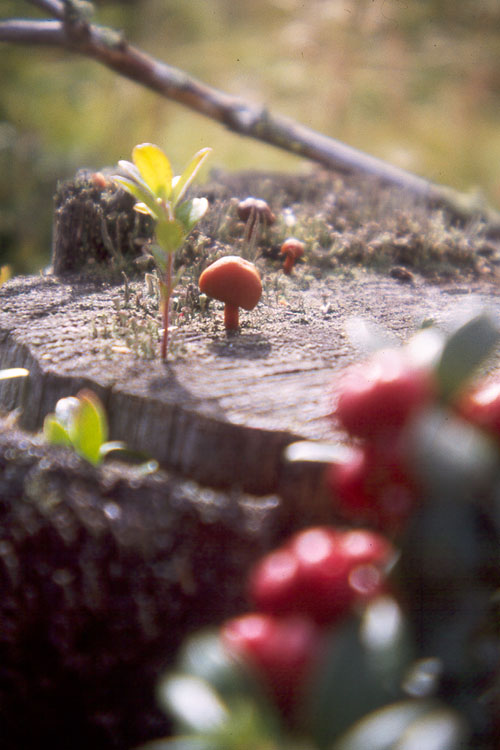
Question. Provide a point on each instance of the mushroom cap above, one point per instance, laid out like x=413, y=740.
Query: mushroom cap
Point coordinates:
x=255, y=206
x=232, y=280
x=293, y=247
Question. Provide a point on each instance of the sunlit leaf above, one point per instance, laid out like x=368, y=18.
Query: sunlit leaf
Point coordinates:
x=14, y=372
x=66, y=411
x=54, y=433
x=188, y=175
x=441, y=729
x=382, y=729
x=190, y=212
x=142, y=195
x=90, y=427
x=170, y=235
x=316, y=452
x=155, y=168
x=464, y=351
x=142, y=208
x=193, y=702
x=112, y=446
x=204, y=656
x=131, y=171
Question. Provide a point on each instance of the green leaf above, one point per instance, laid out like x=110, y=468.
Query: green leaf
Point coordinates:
x=204, y=656
x=155, y=169
x=190, y=212
x=90, y=429
x=160, y=258
x=54, y=433
x=170, y=235
x=185, y=179
x=361, y=670
x=464, y=351
x=194, y=703
x=142, y=195
x=452, y=458
x=441, y=729
x=382, y=729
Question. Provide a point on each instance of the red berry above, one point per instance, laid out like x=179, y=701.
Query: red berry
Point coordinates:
x=273, y=582
x=481, y=406
x=373, y=486
x=378, y=396
x=280, y=651
x=336, y=568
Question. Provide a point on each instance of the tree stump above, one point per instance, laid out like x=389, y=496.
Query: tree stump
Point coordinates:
x=104, y=571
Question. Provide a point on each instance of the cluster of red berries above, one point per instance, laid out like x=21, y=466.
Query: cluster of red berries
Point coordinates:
x=299, y=591
x=322, y=574
x=375, y=403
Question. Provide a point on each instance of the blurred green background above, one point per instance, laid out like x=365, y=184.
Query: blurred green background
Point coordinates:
x=415, y=82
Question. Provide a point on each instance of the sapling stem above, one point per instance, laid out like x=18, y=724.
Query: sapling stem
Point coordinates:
x=166, y=306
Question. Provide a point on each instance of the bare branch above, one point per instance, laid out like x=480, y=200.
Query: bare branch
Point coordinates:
x=33, y=32
x=112, y=50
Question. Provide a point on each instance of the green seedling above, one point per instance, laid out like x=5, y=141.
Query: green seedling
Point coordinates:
x=80, y=422
x=150, y=180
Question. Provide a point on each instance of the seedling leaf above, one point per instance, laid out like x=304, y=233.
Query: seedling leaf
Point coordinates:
x=155, y=169
x=188, y=175
x=160, y=257
x=190, y=212
x=170, y=235
x=54, y=433
x=90, y=427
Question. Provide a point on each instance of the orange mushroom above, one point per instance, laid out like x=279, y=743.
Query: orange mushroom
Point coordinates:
x=234, y=281
x=254, y=211
x=292, y=249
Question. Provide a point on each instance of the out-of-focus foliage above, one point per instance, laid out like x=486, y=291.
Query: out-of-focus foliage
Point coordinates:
x=417, y=84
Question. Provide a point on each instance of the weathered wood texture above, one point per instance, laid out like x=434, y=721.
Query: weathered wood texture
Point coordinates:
x=102, y=575
x=222, y=412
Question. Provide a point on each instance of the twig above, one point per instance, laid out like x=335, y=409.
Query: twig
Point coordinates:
x=110, y=48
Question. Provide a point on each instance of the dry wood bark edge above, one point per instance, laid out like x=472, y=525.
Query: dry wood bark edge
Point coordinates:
x=103, y=574
x=211, y=452
x=109, y=47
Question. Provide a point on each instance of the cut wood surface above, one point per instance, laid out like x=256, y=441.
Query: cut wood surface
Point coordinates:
x=224, y=408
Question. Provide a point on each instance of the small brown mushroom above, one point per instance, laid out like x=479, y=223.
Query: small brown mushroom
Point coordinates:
x=292, y=249
x=254, y=211
x=234, y=281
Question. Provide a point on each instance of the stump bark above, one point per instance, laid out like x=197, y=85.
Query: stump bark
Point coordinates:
x=103, y=571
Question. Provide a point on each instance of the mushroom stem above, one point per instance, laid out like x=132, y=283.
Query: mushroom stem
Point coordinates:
x=288, y=263
x=231, y=317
